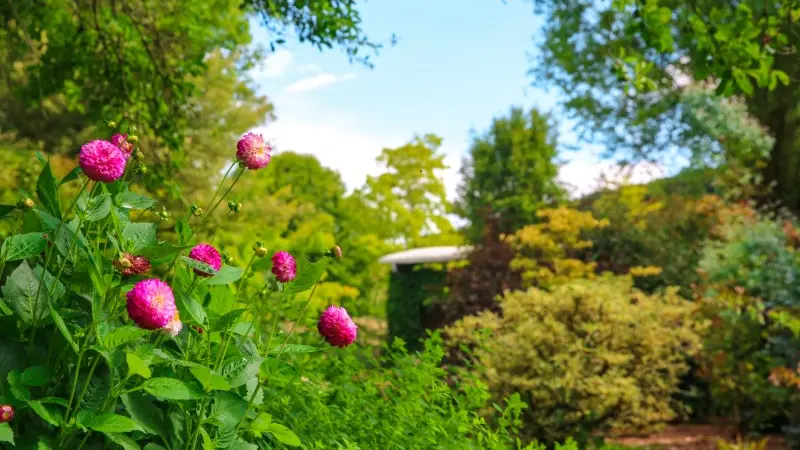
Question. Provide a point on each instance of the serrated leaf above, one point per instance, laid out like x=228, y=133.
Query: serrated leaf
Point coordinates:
x=228, y=408
x=172, y=389
x=35, y=376
x=50, y=416
x=72, y=175
x=143, y=411
x=211, y=380
x=20, y=294
x=190, y=309
x=6, y=433
x=123, y=335
x=132, y=200
x=106, y=422
x=238, y=371
x=224, y=322
x=226, y=275
x=137, y=366
x=308, y=274
x=139, y=236
x=123, y=441
x=47, y=191
x=197, y=265
x=284, y=435
x=242, y=445
x=95, y=208
x=290, y=349
x=23, y=246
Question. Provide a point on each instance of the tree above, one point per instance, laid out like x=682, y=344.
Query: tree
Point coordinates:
x=308, y=178
x=623, y=66
x=409, y=199
x=510, y=173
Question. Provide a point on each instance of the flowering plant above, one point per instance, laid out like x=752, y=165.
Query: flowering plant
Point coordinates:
x=110, y=335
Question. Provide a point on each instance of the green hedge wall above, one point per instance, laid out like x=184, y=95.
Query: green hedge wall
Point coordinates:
x=409, y=308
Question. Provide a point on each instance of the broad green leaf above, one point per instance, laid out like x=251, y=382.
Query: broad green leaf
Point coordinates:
x=72, y=175
x=211, y=380
x=197, y=265
x=6, y=433
x=54, y=288
x=50, y=416
x=261, y=423
x=137, y=366
x=226, y=275
x=172, y=389
x=228, y=408
x=284, y=435
x=47, y=191
x=163, y=250
x=20, y=294
x=242, y=445
x=62, y=326
x=23, y=246
x=184, y=231
x=6, y=210
x=153, y=447
x=55, y=401
x=225, y=322
x=69, y=236
x=123, y=335
x=308, y=274
x=95, y=208
x=132, y=200
x=35, y=376
x=190, y=309
x=238, y=371
x=208, y=444
x=106, y=422
x=742, y=81
x=139, y=236
x=289, y=349
x=144, y=412
x=123, y=441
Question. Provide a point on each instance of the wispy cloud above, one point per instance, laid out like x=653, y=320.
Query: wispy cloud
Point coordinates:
x=318, y=81
x=276, y=64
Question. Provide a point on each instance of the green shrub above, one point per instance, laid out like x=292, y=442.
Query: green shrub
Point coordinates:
x=589, y=355
x=410, y=306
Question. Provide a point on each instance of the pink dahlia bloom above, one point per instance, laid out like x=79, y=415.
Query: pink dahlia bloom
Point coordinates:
x=121, y=141
x=284, y=267
x=139, y=265
x=206, y=254
x=174, y=326
x=151, y=304
x=253, y=152
x=6, y=413
x=336, y=326
x=102, y=161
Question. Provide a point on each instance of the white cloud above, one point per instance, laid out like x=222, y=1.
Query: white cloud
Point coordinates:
x=276, y=64
x=582, y=177
x=309, y=68
x=318, y=81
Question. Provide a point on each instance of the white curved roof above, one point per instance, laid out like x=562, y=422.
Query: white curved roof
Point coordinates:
x=426, y=255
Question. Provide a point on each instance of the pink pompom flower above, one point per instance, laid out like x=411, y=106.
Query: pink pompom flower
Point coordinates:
x=102, y=161
x=336, y=326
x=174, y=327
x=6, y=413
x=284, y=267
x=206, y=254
x=139, y=265
x=151, y=304
x=253, y=152
x=121, y=141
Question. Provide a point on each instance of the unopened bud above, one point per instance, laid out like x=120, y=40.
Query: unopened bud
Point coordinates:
x=124, y=262
x=232, y=205
x=6, y=413
x=112, y=124
x=198, y=212
x=142, y=169
x=139, y=155
x=238, y=208
x=133, y=139
x=260, y=251
x=28, y=203
x=336, y=251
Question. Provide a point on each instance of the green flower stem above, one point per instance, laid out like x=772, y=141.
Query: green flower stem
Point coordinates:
x=226, y=338
x=13, y=232
x=299, y=318
x=190, y=445
x=219, y=187
x=85, y=438
x=85, y=386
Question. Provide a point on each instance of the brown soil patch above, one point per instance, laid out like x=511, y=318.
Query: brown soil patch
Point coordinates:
x=692, y=437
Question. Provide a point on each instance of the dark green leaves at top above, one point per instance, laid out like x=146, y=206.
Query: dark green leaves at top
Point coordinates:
x=20, y=293
x=47, y=191
x=132, y=200
x=308, y=274
x=139, y=236
x=95, y=208
x=35, y=376
x=106, y=422
x=6, y=210
x=22, y=246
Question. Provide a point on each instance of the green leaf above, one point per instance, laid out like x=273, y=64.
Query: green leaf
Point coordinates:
x=238, y=371
x=47, y=190
x=189, y=308
x=201, y=266
x=163, y=250
x=51, y=285
x=224, y=322
x=284, y=435
x=742, y=81
x=143, y=411
x=50, y=416
x=153, y=447
x=106, y=422
x=123, y=335
x=123, y=441
x=226, y=275
x=20, y=293
x=261, y=423
x=781, y=75
x=211, y=380
x=132, y=200
x=208, y=444
x=6, y=210
x=6, y=433
x=62, y=326
x=35, y=376
x=308, y=274
x=242, y=445
x=95, y=208
x=23, y=246
x=72, y=175
x=140, y=236
x=137, y=366
x=228, y=408
x=290, y=349
x=172, y=389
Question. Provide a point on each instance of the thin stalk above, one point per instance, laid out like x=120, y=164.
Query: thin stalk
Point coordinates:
x=193, y=439
x=239, y=288
x=280, y=352
x=13, y=232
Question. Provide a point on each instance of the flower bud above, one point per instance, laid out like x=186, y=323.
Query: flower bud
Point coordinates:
x=336, y=252
x=232, y=205
x=238, y=208
x=28, y=203
x=139, y=155
x=112, y=124
x=198, y=212
x=142, y=169
x=260, y=251
x=6, y=413
x=133, y=139
x=124, y=262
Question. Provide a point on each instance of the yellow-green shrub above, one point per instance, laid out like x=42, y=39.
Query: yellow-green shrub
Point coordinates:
x=590, y=354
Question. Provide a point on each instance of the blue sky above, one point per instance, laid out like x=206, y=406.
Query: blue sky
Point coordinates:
x=457, y=65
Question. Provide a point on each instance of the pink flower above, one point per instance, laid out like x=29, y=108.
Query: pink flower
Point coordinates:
x=174, y=326
x=6, y=413
x=151, y=304
x=206, y=254
x=102, y=161
x=253, y=152
x=121, y=141
x=336, y=326
x=139, y=265
x=284, y=267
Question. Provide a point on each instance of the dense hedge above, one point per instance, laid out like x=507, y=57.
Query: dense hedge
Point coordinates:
x=410, y=306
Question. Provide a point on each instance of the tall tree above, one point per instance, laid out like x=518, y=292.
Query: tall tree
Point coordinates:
x=510, y=173
x=308, y=178
x=409, y=198
x=623, y=65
